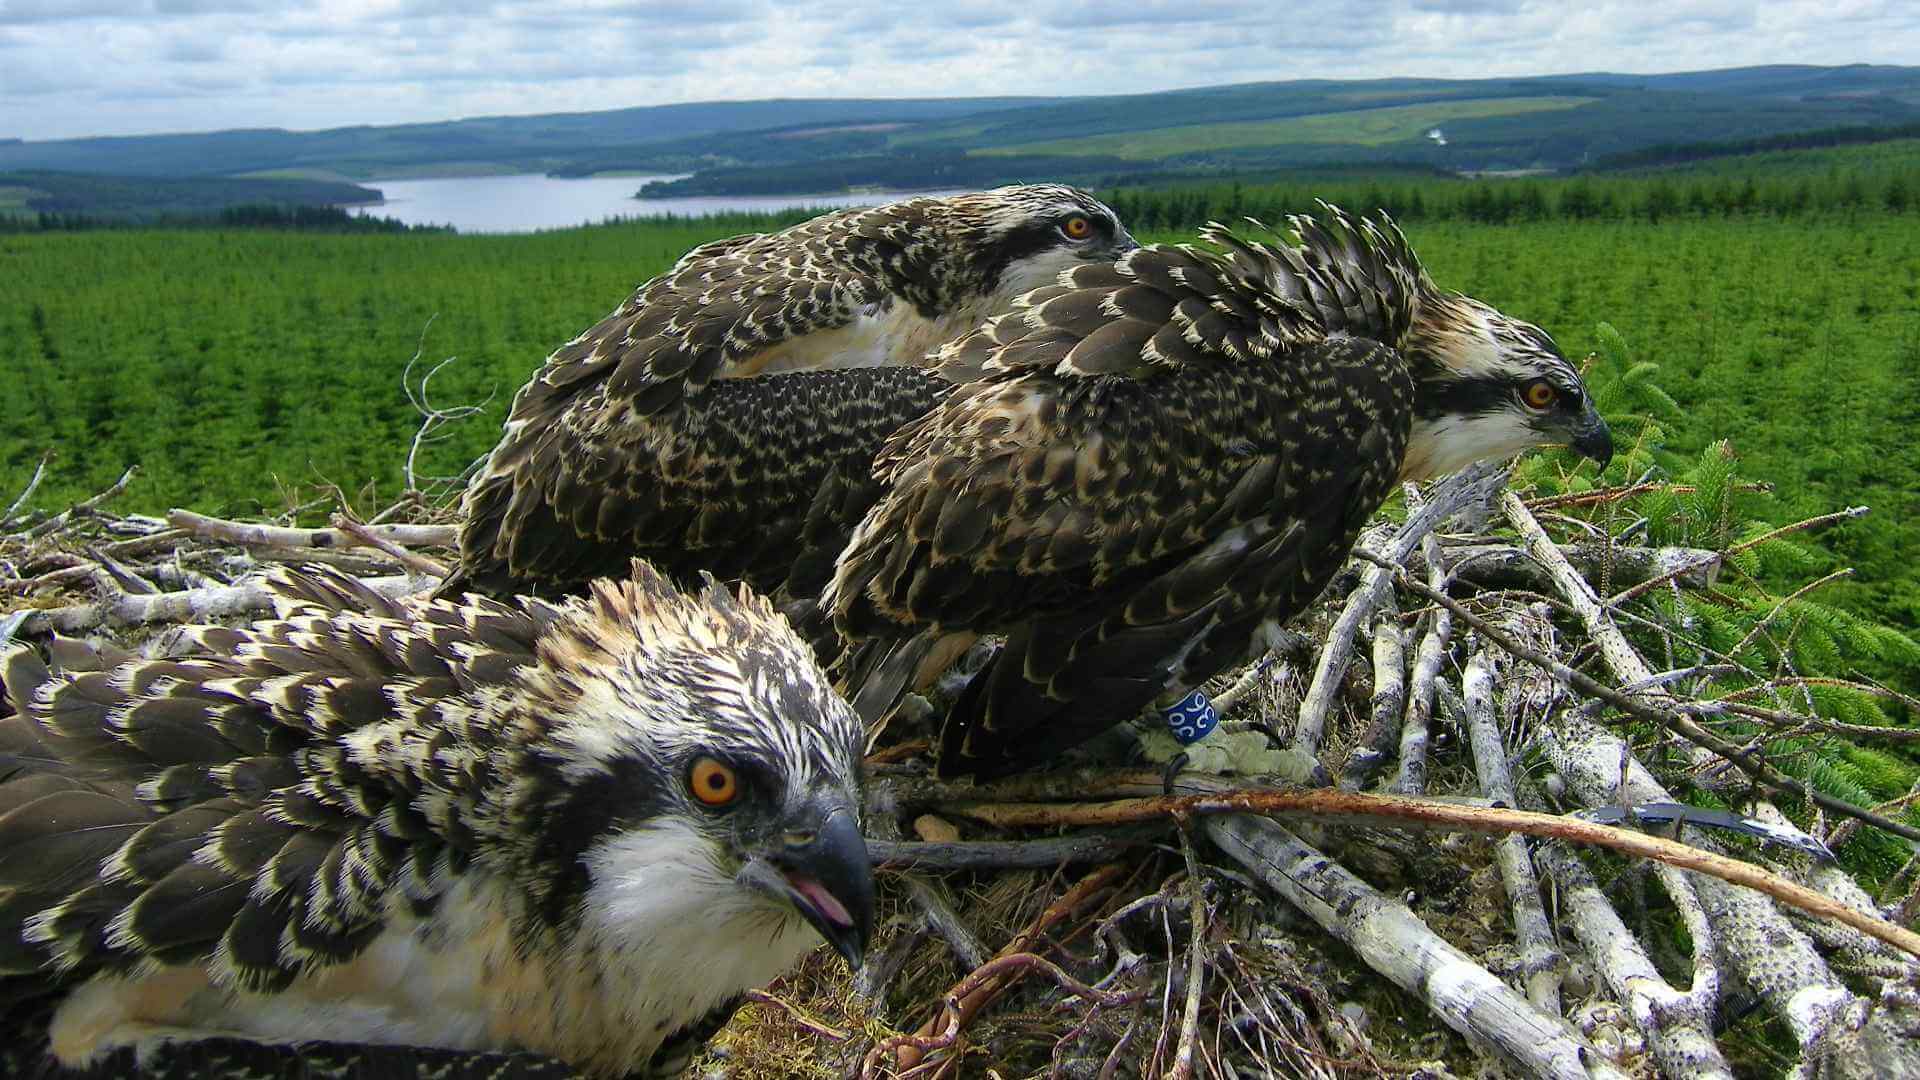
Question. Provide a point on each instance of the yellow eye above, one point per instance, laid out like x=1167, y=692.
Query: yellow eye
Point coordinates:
x=713, y=782
x=1077, y=228
x=1539, y=394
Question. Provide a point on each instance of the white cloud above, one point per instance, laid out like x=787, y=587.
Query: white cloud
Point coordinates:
x=81, y=67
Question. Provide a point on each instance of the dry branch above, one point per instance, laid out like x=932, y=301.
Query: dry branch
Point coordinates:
x=1540, y=962
x=250, y=534
x=1400, y=810
x=85, y=507
x=1678, y=1026
x=1442, y=501
x=185, y=606
x=1394, y=942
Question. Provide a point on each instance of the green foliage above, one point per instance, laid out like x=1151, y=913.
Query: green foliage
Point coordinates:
x=1782, y=634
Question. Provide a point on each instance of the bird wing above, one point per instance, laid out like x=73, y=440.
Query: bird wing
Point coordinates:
x=734, y=482
x=213, y=805
x=1127, y=534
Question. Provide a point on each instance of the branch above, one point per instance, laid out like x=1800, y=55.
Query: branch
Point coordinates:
x=84, y=508
x=1540, y=961
x=1001, y=854
x=185, y=606
x=33, y=483
x=366, y=534
x=974, y=992
x=1672, y=720
x=1396, y=809
x=1396, y=943
x=1445, y=498
x=247, y=534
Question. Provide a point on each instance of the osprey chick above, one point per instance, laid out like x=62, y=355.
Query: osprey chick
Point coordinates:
x=575, y=829
x=1165, y=453
x=643, y=437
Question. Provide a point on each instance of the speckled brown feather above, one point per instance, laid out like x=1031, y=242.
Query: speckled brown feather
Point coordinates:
x=1160, y=455
x=734, y=482
x=638, y=437
x=1157, y=456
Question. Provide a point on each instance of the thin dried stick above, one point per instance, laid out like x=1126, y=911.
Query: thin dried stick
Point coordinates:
x=33, y=484
x=974, y=992
x=800, y=1016
x=1541, y=962
x=85, y=507
x=1644, y=587
x=1447, y=497
x=366, y=535
x=248, y=534
x=1196, y=966
x=1673, y=720
x=1397, y=809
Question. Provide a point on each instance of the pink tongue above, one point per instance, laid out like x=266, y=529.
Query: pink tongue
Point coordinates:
x=821, y=899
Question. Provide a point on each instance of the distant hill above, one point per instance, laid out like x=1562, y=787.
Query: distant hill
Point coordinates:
x=119, y=197
x=1553, y=123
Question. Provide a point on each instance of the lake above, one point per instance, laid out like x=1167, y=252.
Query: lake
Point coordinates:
x=504, y=204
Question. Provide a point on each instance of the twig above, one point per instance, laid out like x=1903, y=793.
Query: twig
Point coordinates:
x=974, y=992
x=1540, y=961
x=1196, y=966
x=85, y=507
x=1411, y=777
x=1673, y=720
x=1397, y=809
x=185, y=606
x=1442, y=501
x=1002, y=854
x=1388, y=704
x=1644, y=587
x=33, y=484
x=248, y=534
x=800, y=1016
x=1394, y=942
x=365, y=534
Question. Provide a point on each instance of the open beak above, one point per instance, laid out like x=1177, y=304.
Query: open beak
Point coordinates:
x=819, y=865
x=1591, y=439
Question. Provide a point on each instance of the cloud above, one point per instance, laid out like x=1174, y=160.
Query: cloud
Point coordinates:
x=200, y=64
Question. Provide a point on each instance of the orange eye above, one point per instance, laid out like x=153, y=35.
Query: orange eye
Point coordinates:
x=1077, y=228
x=1539, y=394
x=713, y=782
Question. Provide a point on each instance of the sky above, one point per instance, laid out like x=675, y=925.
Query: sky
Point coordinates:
x=120, y=67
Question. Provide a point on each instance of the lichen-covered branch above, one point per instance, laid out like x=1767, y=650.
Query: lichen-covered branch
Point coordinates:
x=1540, y=962
x=1395, y=943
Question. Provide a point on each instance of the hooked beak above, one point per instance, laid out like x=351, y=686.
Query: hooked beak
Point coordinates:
x=818, y=863
x=1590, y=438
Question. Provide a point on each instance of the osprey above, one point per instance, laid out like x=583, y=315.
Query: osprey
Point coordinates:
x=577, y=829
x=1164, y=454
x=643, y=436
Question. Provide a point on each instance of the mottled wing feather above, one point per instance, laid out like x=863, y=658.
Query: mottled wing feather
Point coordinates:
x=757, y=479
x=195, y=807
x=1120, y=506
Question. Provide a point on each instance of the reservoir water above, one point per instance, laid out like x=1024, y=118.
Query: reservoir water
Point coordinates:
x=499, y=204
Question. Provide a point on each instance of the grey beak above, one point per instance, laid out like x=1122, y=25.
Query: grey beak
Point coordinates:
x=1590, y=438
x=820, y=866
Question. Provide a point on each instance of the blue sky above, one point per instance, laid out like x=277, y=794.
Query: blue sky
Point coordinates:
x=88, y=67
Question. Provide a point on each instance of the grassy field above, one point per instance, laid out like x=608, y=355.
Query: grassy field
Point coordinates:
x=232, y=365
x=1362, y=127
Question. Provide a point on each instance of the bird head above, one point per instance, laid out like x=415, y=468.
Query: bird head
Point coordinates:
x=694, y=778
x=1488, y=385
x=1018, y=238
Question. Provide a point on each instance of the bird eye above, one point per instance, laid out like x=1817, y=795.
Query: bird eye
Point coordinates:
x=1539, y=394
x=1076, y=228
x=713, y=782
